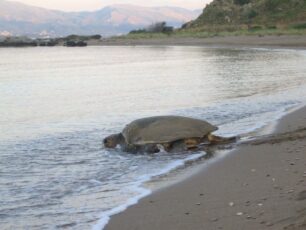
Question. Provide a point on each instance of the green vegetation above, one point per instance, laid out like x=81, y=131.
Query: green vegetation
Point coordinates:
x=241, y=32
x=237, y=17
x=242, y=15
x=156, y=28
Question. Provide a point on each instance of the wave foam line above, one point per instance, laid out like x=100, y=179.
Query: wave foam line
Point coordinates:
x=143, y=192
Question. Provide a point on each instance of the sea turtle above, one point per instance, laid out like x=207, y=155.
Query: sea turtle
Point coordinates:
x=168, y=132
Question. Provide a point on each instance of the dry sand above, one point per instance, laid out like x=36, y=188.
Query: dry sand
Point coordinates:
x=290, y=41
x=261, y=185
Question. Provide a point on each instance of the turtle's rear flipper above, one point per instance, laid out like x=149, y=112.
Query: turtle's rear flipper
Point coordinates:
x=213, y=139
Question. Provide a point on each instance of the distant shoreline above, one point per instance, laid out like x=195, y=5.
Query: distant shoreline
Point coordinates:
x=283, y=41
x=276, y=41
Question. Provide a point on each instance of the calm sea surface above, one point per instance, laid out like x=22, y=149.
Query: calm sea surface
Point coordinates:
x=56, y=105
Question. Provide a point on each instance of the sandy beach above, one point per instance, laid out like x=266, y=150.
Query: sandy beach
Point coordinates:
x=290, y=41
x=260, y=185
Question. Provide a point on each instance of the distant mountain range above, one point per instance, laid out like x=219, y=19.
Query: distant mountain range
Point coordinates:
x=19, y=19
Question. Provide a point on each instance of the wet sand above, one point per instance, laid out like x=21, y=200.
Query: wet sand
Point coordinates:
x=290, y=41
x=260, y=185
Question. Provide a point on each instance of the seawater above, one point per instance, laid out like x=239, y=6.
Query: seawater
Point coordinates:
x=58, y=103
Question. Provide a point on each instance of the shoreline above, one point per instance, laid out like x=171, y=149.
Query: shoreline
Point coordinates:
x=257, y=41
x=264, y=41
x=241, y=191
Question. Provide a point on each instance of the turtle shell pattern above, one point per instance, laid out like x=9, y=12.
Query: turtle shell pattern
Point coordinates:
x=165, y=129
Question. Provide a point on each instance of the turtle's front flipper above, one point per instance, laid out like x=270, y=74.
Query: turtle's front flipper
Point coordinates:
x=213, y=139
x=151, y=148
x=130, y=148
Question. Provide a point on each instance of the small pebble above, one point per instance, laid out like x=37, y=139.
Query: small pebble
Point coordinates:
x=249, y=217
x=253, y=170
x=187, y=213
x=292, y=163
x=214, y=219
x=260, y=204
x=201, y=194
x=273, y=179
x=231, y=204
x=290, y=191
x=268, y=175
x=269, y=224
x=198, y=203
x=239, y=213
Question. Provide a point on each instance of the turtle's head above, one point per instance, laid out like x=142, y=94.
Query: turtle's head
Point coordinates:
x=113, y=140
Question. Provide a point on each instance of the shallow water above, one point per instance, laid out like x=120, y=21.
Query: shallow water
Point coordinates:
x=58, y=103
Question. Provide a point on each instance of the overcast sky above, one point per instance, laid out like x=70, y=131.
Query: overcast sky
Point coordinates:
x=79, y=5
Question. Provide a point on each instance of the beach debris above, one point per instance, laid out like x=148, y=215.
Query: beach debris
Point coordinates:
x=290, y=191
x=201, y=194
x=260, y=204
x=268, y=175
x=292, y=163
x=198, y=203
x=248, y=217
x=269, y=224
x=187, y=213
x=231, y=204
x=239, y=213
